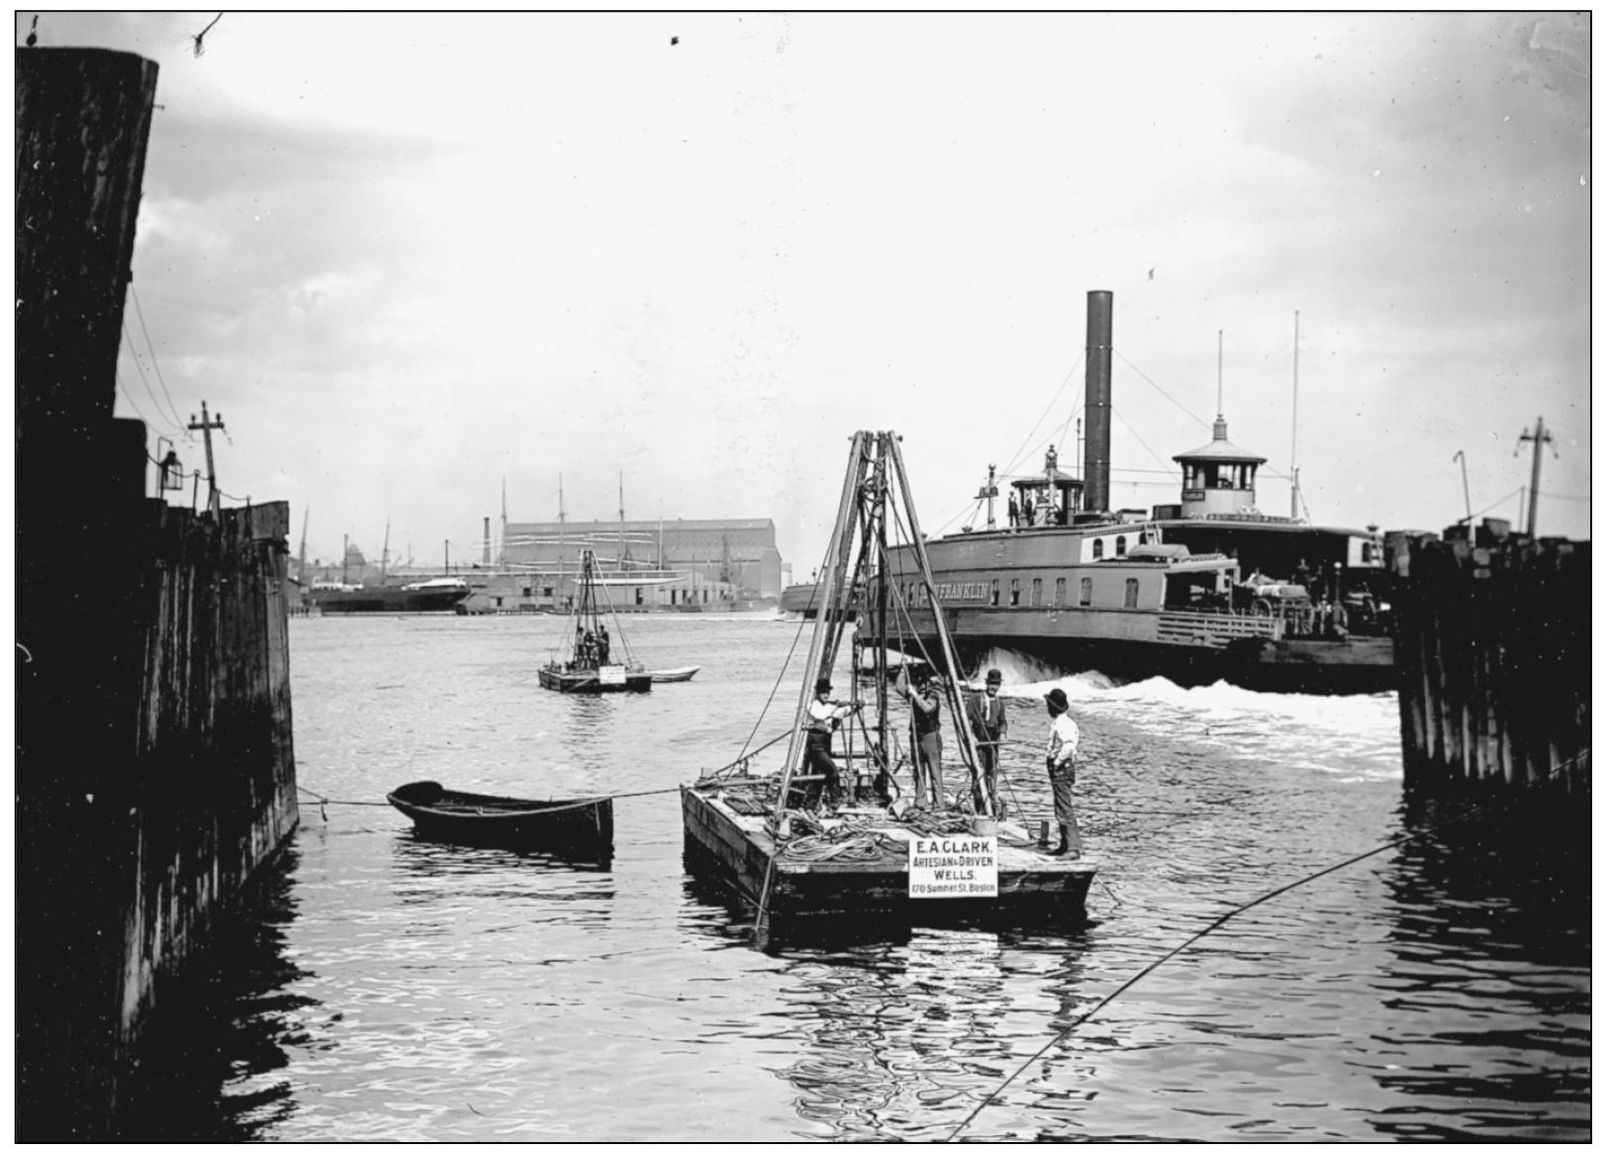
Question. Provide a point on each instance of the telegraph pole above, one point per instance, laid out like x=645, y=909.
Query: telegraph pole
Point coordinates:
x=1538, y=438
x=205, y=428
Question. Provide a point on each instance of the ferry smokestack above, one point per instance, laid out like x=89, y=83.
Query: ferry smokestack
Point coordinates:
x=486, y=540
x=1098, y=402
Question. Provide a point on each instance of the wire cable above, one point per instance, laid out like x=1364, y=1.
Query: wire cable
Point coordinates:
x=155, y=364
x=1062, y=1033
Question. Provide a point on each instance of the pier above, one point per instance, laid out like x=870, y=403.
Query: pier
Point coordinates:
x=154, y=767
x=1494, y=642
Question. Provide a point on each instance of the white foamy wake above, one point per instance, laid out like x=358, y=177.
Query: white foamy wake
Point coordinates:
x=1355, y=737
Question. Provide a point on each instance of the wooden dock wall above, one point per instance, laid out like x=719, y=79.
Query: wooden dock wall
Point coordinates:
x=154, y=769
x=1495, y=648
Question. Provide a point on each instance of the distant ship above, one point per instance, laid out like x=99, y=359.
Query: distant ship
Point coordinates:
x=442, y=594
x=1209, y=589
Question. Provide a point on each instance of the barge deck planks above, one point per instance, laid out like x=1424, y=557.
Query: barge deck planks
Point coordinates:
x=738, y=850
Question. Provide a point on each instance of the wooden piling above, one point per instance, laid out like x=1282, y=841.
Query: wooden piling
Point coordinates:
x=154, y=768
x=1494, y=646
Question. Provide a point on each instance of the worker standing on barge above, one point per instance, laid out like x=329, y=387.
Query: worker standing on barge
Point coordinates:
x=927, y=740
x=824, y=717
x=1059, y=755
x=987, y=714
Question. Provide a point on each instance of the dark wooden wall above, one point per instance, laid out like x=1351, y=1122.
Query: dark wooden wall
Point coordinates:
x=154, y=766
x=1495, y=646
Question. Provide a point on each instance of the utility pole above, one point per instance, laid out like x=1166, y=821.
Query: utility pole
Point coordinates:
x=1469, y=518
x=205, y=428
x=1538, y=438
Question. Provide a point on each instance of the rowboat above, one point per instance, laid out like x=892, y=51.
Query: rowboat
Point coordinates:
x=673, y=675
x=559, y=826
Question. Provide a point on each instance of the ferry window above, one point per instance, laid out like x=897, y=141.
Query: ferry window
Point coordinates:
x=994, y=593
x=1016, y=593
x=1131, y=593
x=1086, y=588
x=1037, y=594
x=639, y=597
x=1061, y=591
x=1100, y=547
x=1122, y=545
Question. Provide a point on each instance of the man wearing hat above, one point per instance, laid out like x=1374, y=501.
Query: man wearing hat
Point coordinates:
x=824, y=717
x=915, y=683
x=1059, y=755
x=987, y=715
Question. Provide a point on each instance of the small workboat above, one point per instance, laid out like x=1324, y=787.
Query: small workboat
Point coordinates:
x=673, y=675
x=586, y=662
x=565, y=827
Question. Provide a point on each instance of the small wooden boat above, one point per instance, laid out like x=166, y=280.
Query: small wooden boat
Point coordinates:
x=673, y=675
x=571, y=827
x=585, y=662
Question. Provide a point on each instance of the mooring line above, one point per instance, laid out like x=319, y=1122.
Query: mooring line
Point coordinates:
x=1062, y=1034
x=577, y=804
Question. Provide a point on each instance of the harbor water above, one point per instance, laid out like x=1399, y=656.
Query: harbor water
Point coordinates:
x=385, y=988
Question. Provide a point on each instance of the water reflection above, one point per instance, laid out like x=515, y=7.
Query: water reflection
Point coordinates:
x=1492, y=948
x=904, y=1040
x=207, y=1069
x=433, y=877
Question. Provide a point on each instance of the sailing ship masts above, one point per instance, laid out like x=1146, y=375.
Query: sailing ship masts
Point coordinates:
x=952, y=677
x=828, y=615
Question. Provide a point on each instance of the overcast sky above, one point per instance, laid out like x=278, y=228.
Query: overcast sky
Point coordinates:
x=411, y=258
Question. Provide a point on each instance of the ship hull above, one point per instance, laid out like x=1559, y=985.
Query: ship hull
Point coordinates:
x=389, y=600
x=1126, y=634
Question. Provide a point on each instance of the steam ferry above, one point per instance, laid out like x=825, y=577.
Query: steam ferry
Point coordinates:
x=1206, y=590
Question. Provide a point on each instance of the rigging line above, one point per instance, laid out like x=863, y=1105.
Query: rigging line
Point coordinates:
x=1028, y=439
x=1159, y=388
x=1138, y=437
x=766, y=707
x=155, y=364
x=788, y=659
x=118, y=376
x=1395, y=842
x=179, y=428
x=1509, y=495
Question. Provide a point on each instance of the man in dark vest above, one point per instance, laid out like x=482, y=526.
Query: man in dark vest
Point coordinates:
x=987, y=714
x=927, y=744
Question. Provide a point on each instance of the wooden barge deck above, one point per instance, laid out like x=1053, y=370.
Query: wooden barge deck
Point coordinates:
x=727, y=839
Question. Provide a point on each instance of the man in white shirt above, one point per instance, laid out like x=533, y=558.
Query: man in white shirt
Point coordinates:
x=825, y=715
x=1059, y=755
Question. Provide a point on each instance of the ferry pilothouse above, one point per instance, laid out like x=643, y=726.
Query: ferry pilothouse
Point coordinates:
x=1204, y=590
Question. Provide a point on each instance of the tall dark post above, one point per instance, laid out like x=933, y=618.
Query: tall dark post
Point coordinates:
x=1098, y=402
x=83, y=117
